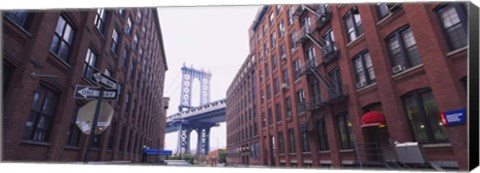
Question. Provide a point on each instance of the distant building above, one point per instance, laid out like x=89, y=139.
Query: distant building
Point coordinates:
x=337, y=84
x=241, y=116
x=212, y=158
x=47, y=53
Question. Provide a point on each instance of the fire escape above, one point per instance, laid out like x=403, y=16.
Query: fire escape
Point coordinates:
x=331, y=81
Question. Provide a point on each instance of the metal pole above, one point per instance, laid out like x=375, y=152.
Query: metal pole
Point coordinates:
x=91, y=137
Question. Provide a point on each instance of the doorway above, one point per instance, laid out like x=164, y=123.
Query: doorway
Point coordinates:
x=378, y=146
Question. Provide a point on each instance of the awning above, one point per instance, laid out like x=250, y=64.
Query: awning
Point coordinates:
x=372, y=118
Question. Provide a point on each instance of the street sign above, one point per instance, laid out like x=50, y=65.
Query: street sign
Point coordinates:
x=85, y=117
x=105, y=80
x=454, y=117
x=91, y=92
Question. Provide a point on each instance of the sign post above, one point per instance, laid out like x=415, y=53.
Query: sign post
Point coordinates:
x=91, y=137
x=107, y=90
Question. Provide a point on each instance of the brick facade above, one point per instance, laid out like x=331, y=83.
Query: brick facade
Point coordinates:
x=27, y=49
x=431, y=81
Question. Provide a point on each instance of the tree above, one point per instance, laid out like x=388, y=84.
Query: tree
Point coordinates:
x=222, y=156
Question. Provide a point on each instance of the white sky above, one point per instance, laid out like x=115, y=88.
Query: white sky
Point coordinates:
x=212, y=38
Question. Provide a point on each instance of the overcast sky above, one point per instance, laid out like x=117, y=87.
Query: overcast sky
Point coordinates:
x=212, y=38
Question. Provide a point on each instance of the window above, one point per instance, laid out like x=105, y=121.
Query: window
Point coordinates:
x=265, y=47
x=90, y=62
x=127, y=105
x=121, y=12
x=281, y=28
x=139, y=17
x=267, y=70
x=454, y=19
x=329, y=44
x=132, y=70
x=305, y=141
x=315, y=92
x=285, y=76
x=74, y=132
x=284, y=51
x=293, y=41
x=124, y=57
x=128, y=29
x=269, y=95
x=111, y=136
x=291, y=140
x=271, y=19
x=20, y=17
x=264, y=121
x=273, y=38
x=259, y=38
x=279, y=10
x=8, y=72
x=422, y=111
x=278, y=111
x=135, y=42
x=100, y=20
x=265, y=29
x=310, y=58
x=275, y=86
x=336, y=80
x=115, y=39
x=363, y=70
x=298, y=69
x=40, y=120
x=97, y=141
x=345, y=130
x=270, y=116
x=274, y=62
x=306, y=24
x=353, y=24
x=403, y=49
x=62, y=39
x=385, y=9
x=290, y=15
x=122, y=140
x=281, y=143
x=322, y=135
x=300, y=101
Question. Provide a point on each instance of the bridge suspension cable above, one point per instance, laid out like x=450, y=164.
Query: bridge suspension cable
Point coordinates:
x=173, y=82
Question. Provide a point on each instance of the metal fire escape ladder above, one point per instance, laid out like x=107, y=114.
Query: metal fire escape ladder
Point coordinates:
x=325, y=80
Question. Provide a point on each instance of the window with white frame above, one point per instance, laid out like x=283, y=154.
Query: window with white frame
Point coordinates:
x=403, y=50
x=115, y=40
x=281, y=28
x=20, y=17
x=353, y=24
x=293, y=41
x=454, y=18
x=364, y=72
x=100, y=19
x=62, y=39
x=329, y=43
x=89, y=65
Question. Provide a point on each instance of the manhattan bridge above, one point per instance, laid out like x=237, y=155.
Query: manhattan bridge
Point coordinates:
x=200, y=119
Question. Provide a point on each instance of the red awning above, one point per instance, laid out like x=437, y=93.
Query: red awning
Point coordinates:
x=372, y=118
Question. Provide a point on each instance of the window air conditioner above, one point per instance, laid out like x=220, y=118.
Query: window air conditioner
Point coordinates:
x=284, y=85
x=394, y=7
x=398, y=68
x=361, y=84
x=284, y=57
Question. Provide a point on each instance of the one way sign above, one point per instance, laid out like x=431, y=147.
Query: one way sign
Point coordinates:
x=90, y=92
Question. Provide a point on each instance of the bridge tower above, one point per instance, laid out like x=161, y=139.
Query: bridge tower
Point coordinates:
x=189, y=74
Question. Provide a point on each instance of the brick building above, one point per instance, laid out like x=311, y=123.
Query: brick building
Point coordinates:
x=47, y=53
x=339, y=84
x=241, y=117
